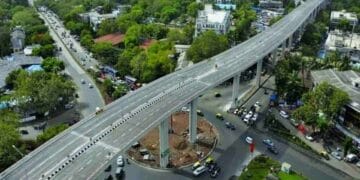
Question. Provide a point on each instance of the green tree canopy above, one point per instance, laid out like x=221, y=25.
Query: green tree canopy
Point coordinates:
x=52, y=64
x=207, y=45
x=50, y=133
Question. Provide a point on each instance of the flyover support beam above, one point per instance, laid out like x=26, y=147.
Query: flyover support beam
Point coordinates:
x=283, y=46
x=290, y=41
x=193, y=121
x=164, y=143
x=235, y=93
x=258, y=72
x=274, y=57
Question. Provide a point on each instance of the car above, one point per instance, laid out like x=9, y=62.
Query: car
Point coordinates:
x=336, y=155
x=249, y=140
x=199, y=112
x=230, y=126
x=90, y=85
x=273, y=149
x=246, y=120
x=219, y=116
x=257, y=103
x=351, y=158
x=83, y=81
x=135, y=144
x=199, y=170
x=108, y=168
x=309, y=137
x=212, y=167
x=209, y=160
x=284, y=114
x=294, y=122
x=185, y=109
x=23, y=131
x=217, y=94
x=120, y=161
x=215, y=173
x=358, y=164
x=254, y=117
x=196, y=165
x=119, y=172
x=268, y=142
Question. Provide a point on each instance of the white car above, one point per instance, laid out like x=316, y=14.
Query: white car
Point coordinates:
x=199, y=170
x=255, y=116
x=90, y=85
x=185, y=109
x=120, y=161
x=308, y=137
x=249, y=140
x=336, y=155
x=284, y=114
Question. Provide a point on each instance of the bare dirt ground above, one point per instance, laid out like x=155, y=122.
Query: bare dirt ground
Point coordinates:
x=181, y=151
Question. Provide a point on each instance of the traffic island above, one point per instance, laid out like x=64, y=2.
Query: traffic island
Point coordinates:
x=182, y=152
x=263, y=167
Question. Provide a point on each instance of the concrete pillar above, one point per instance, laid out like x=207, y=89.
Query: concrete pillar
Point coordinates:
x=283, y=46
x=235, y=93
x=258, y=72
x=290, y=41
x=274, y=57
x=193, y=121
x=164, y=143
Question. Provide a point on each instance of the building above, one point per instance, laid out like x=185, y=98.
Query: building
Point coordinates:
x=337, y=16
x=13, y=62
x=270, y=4
x=348, y=81
x=344, y=43
x=96, y=15
x=18, y=39
x=210, y=19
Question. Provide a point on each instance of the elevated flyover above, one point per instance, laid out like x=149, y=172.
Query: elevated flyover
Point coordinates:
x=85, y=149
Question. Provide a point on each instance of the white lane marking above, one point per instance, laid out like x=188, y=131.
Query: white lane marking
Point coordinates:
x=107, y=146
x=131, y=129
x=79, y=135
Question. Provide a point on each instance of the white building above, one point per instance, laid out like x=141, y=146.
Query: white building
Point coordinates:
x=94, y=17
x=337, y=16
x=345, y=43
x=210, y=19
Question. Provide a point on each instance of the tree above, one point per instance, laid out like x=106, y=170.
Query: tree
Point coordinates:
x=193, y=8
x=123, y=63
x=42, y=39
x=42, y=91
x=207, y=45
x=108, y=86
x=44, y=51
x=9, y=117
x=86, y=41
x=9, y=137
x=106, y=27
x=50, y=133
x=52, y=64
x=105, y=52
x=11, y=78
x=5, y=45
x=120, y=91
x=134, y=35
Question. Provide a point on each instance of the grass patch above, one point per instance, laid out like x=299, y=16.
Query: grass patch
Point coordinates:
x=291, y=176
x=261, y=166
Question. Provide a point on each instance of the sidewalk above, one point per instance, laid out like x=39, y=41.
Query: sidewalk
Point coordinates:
x=246, y=162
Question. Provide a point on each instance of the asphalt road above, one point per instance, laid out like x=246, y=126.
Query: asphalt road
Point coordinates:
x=232, y=150
x=86, y=148
x=89, y=98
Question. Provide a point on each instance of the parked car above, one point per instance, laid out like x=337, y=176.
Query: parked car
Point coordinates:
x=119, y=172
x=254, y=117
x=294, y=122
x=268, y=142
x=185, y=109
x=199, y=170
x=120, y=161
x=309, y=137
x=90, y=85
x=336, y=155
x=249, y=140
x=108, y=168
x=199, y=112
x=212, y=167
x=351, y=158
x=209, y=160
x=273, y=149
x=217, y=94
x=82, y=81
x=215, y=173
x=219, y=116
x=23, y=131
x=230, y=126
x=284, y=114
x=196, y=165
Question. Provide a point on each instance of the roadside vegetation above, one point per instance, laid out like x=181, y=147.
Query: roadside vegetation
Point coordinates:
x=262, y=166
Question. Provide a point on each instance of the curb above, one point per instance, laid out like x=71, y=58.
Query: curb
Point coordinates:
x=143, y=165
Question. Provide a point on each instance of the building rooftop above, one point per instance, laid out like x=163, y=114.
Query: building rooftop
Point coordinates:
x=213, y=16
x=348, y=81
x=13, y=62
x=343, y=14
x=337, y=39
x=114, y=38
